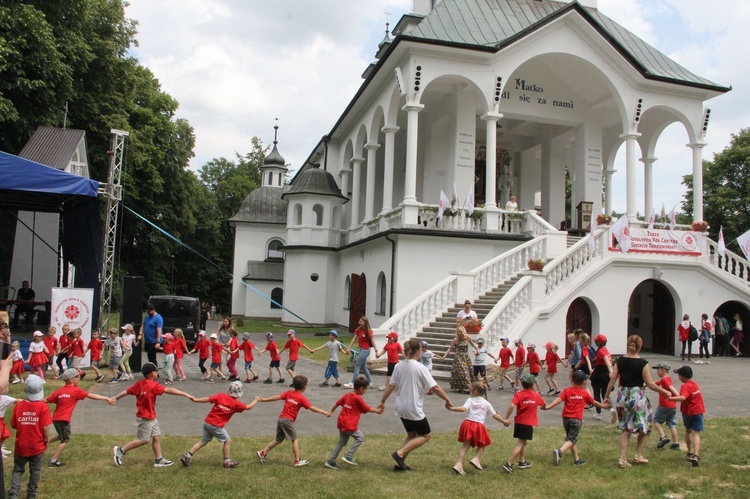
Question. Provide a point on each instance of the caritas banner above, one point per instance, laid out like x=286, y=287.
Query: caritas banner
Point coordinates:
x=74, y=307
x=675, y=242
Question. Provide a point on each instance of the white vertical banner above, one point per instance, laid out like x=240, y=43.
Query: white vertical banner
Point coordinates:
x=744, y=242
x=74, y=307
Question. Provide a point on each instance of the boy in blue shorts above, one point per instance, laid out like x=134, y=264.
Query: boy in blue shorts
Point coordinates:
x=692, y=409
x=334, y=346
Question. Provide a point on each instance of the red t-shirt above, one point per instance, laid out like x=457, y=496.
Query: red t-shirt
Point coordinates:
x=216, y=350
x=145, y=392
x=202, y=346
x=247, y=347
x=273, y=349
x=51, y=343
x=233, y=345
x=223, y=410
x=505, y=355
x=601, y=354
x=551, y=360
x=684, y=331
x=534, y=364
x=95, y=345
x=665, y=383
x=29, y=419
x=693, y=404
x=527, y=401
x=64, y=340
x=392, y=349
x=363, y=338
x=575, y=399
x=352, y=407
x=179, y=348
x=65, y=398
x=168, y=347
x=76, y=347
x=520, y=356
x=293, y=346
x=293, y=401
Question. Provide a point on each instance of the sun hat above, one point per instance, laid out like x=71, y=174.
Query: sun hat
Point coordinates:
x=269, y=335
x=235, y=389
x=530, y=345
x=424, y=344
x=38, y=333
x=213, y=336
x=127, y=327
x=517, y=341
x=34, y=387
x=69, y=374
x=480, y=340
x=201, y=333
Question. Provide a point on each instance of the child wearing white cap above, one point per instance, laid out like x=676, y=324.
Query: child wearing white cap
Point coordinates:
x=31, y=419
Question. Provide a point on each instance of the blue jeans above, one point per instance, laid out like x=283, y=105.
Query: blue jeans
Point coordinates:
x=361, y=365
x=332, y=369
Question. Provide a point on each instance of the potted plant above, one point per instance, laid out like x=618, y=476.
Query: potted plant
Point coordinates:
x=536, y=264
x=473, y=326
x=700, y=226
x=603, y=219
x=476, y=215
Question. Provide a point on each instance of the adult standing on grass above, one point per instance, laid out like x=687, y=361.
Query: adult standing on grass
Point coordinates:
x=412, y=380
x=461, y=368
x=151, y=331
x=633, y=407
x=363, y=337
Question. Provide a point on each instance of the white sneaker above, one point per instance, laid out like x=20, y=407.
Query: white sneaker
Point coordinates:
x=381, y=388
x=597, y=416
x=162, y=463
x=348, y=385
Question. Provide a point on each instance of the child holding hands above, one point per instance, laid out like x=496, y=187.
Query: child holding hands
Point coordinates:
x=551, y=359
x=526, y=402
x=505, y=356
x=473, y=432
x=692, y=409
x=394, y=349
x=334, y=346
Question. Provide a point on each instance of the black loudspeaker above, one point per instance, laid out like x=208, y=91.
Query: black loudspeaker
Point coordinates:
x=132, y=312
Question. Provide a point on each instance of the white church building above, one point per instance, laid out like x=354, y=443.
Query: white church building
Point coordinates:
x=493, y=98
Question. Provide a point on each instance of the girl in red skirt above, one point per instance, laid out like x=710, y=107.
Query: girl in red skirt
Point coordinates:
x=473, y=432
x=18, y=367
x=38, y=354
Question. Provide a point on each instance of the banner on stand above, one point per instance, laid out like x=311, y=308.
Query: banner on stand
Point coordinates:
x=674, y=242
x=74, y=307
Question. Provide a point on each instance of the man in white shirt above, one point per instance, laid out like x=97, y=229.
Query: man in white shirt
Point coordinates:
x=412, y=380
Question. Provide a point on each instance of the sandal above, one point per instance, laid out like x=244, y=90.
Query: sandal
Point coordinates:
x=640, y=460
x=624, y=464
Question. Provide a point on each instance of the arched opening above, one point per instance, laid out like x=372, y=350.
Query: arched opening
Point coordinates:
x=651, y=315
x=277, y=295
x=729, y=312
x=382, y=294
x=298, y=214
x=273, y=251
x=347, y=293
x=578, y=317
x=318, y=211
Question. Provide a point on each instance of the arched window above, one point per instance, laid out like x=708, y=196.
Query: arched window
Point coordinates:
x=277, y=295
x=270, y=178
x=318, y=210
x=347, y=292
x=273, y=251
x=298, y=214
x=382, y=291
x=280, y=177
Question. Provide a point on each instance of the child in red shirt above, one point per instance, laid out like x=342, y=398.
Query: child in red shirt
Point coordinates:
x=95, y=346
x=273, y=349
x=394, y=349
x=526, y=402
x=293, y=344
x=233, y=349
x=551, y=359
x=31, y=418
x=520, y=356
x=666, y=413
x=76, y=348
x=575, y=397
x=534, y=363
x=225, y=406
x=168, y=347
x=202, y=346
x=294, y=400
x=145, y=392
x=247, y=348
x=62, y=349
x=216, y=350
x=51, y=343
x=692, y=409
x=180, y=349
x=66, y=398
x=505, y=355
x=352, y=407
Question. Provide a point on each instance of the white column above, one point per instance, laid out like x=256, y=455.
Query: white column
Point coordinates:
x=697, y=180
x=608, y=190
x=372, y=150
x=648, y=186
x=630, y=174
x=412, y=136
x=356, y=181
x=390, y=146
x=490, y=200
x=345, y=172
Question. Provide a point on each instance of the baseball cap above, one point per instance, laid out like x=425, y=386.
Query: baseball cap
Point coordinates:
x=530, y=345
x=505, y=339
x=685, y=371
x=38, y=333
x=549, y=344
x=663, y=365
x=235, y=389
x=480, y=340
x=127, y=327
x=516, y=341
x=168, y=336
x=579, y=375
x=334, y=332
x=291, y=332
x=424, y=344
x=69, y=374
x=269, y=335
x=201, y=333
x=245, y=336
x=600, y=338
x=148, y=368
x=392, y=334
x=529, y=379
x=34, y=388
x=213, y=336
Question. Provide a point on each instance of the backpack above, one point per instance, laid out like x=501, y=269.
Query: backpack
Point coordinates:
x=693, y=333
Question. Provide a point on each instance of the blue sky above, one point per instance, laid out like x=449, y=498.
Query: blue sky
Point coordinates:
x=235, y=65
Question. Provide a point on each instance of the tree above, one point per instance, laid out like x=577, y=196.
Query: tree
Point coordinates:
x=725, y=196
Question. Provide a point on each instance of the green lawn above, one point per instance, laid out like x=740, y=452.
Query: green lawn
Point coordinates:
x=724, y=470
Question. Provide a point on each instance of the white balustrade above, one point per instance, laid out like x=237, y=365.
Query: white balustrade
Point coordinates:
x=731, y=262
x=573, y=260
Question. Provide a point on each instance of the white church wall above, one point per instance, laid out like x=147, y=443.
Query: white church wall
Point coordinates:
x=251, y=241
x=309, y=285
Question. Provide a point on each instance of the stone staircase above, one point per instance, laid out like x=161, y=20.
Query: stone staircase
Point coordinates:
x=571, y=239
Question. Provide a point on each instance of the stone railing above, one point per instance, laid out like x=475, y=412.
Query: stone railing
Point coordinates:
x=507, y=265
x=499, y=320
x=731, y=262
x=574, y=259
x=458, y=219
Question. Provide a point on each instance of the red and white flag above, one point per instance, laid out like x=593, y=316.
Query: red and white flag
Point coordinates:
x=673, y=218
x=470, y=200
x=744, y=242
x=443, y=204
x=721, y=247
x=592, y=238
x=652, y=220
x=621, y=231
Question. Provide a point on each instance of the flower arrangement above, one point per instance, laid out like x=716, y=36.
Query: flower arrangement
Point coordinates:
x=603, y=219
x=536, y=263
x=475, y=215
x=473, y=325
x=516, y=216
x=700, y=226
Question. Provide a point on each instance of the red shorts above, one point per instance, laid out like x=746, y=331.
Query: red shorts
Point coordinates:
x=474, y=433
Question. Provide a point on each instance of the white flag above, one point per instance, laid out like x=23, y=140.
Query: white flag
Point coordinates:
x=652, y=220
x=621, y=231
x=744, y=242
x=721, y=247
x=443, y=204
x=672, y=218
x=592, y=238
x=663, y=216
x=470, y=200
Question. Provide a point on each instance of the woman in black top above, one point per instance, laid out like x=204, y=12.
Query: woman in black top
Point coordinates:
x=633, y=407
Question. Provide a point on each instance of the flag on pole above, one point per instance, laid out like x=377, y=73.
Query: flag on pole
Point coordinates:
x=663, y=216
x=744, y=242
x=592, y=239
x=721, y=247
x=470, y=200
x=454, y=199
x=621, y=231
x=443, y=204
x=652, y=220
x=673, y=218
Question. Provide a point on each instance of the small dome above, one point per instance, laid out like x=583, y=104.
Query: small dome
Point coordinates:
x=263, y=205
x=274, y=158
x=315, y=181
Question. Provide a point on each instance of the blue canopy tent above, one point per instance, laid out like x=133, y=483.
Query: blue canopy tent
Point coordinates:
x=29, y=186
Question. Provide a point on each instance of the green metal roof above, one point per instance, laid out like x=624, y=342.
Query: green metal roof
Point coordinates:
x=493, y=24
